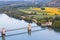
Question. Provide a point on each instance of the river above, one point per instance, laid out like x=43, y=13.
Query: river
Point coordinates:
x=12, y=23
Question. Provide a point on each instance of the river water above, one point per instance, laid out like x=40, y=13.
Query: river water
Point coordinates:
x=37, y=34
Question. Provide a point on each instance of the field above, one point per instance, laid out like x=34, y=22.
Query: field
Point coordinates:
x=42, y=12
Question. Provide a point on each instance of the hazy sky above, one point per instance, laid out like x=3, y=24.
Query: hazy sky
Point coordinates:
x=28, y=0
x=18, y=0
x=14, y=0
x=8, y=0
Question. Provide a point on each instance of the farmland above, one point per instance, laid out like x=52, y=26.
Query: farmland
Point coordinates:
x=42, y=12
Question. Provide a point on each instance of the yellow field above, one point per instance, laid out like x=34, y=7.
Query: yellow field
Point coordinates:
x=37, y=9
x=49, y=10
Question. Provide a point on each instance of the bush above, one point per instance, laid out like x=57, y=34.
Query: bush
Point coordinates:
x=57, y=18
x=56, y=24
x=43, y=21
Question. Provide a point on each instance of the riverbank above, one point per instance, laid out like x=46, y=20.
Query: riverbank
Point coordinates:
x=39, y=17
x=45, y=21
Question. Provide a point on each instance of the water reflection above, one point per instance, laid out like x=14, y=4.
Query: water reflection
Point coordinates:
x=57, y=30
x=3, y=37
x=29, y=21
x=29, y=32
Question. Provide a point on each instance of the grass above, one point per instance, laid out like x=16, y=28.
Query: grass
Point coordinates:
x=42, y=16
x=49, y=12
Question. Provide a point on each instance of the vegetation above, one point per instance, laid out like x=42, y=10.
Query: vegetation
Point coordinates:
x=56, y=24
x=41, y=15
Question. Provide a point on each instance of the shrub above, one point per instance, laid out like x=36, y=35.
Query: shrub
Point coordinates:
x=56, y=24
x=43, y=21
x=57, y=18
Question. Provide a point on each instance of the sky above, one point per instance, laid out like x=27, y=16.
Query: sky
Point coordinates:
x=10, y=0
x=20, y=0
x=14, y=0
